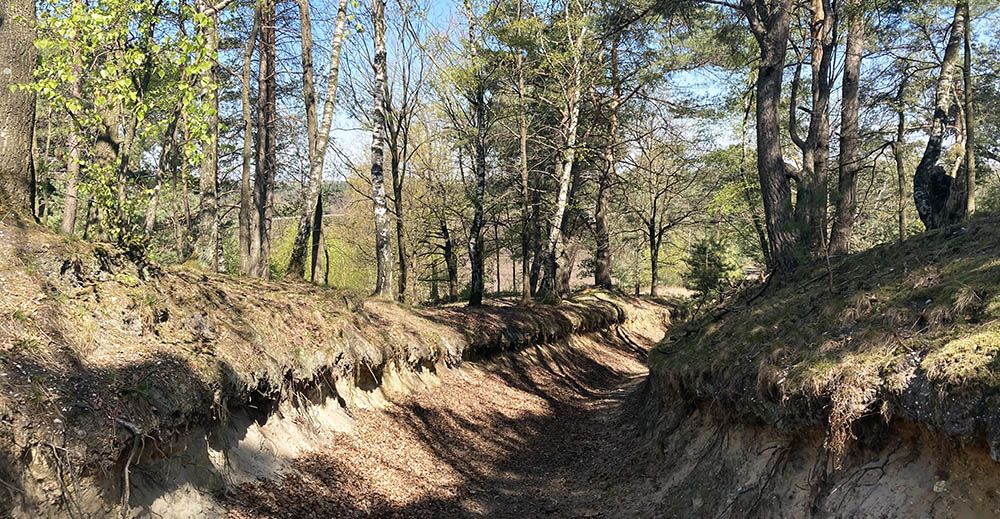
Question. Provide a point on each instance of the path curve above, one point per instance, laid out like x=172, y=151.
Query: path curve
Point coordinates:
x=539, y=433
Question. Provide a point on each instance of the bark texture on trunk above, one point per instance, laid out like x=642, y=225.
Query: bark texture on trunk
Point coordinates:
x=850, y=137
x=397, y=173
x=17, y=109
x=208, y=207
x=522, y=147
x=383, y=266
x=568, y=249
x=564, y=168
x=260, y=242
x=769, y=22
x=812, y=196
x=71, y=198
x=246, y=216
x=477, y=100
x=602, y=254
x=970, y=119
x=654, y=261
x=936, y=193
x=318, y=135
x=476, y=248
x=450, y=262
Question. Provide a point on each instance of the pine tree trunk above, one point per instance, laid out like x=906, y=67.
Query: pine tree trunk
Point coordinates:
x=970, y=118
x=771, y=33
x=747, y=179
x=850, y=137
x=17, y=108
x=898, y=151
x=266, y=143
x=522, y=145
x=934, y=190
x=478, y=281
x=496, y=253
x=602, y=256
x=247, y=227
x=812, y=198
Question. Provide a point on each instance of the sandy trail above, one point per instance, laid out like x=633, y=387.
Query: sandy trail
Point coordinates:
x=536, y=434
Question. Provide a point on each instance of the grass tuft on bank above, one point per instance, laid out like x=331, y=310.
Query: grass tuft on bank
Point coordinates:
x=909, y=330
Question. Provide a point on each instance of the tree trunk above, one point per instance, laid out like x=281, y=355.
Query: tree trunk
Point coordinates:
x=318, y=134
x=654, y=261
x=568, y=249
x=208, y=210
x=513, y=270
x=435, y=293
x=317, y=240
x=450, y=262
x=167, y=163
x=602, y=256
x=396, y=172
x=935, y=192
x=771, y=33
x=850, y=137
x=382, y=257
x=537, y=254
x=40, y=159
x=247, y=227
x=747, y=179
x=812, y=197
x=260, y=252
x=496, y=243
x=478, y=282
x=152, y=206
x=565, y=168
x=565, y=281
x=522, y=147
x=71, y=200
x=89, y=219
x=898, y=151
x=297, y=262
x=17, y=108
x=970, y=119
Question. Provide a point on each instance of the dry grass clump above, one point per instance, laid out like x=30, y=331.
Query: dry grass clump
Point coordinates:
x=854, y=395
x=968, y=302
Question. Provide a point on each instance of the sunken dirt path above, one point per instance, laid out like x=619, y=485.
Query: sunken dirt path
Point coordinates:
x=536, y=434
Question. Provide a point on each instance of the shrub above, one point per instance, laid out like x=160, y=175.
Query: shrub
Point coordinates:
x=711, y=267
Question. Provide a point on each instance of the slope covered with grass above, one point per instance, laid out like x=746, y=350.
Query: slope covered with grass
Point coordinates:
x=103, y=355
x=903, y=331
